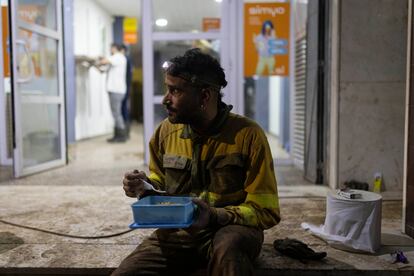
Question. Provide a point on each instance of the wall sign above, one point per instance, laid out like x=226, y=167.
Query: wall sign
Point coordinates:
x=266, y=39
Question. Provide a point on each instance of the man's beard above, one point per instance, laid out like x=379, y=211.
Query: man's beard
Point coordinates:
x=184, y=117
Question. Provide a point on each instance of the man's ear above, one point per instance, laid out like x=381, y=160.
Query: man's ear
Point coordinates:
x=206, y=95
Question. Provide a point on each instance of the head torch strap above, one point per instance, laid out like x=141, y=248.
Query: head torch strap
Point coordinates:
x=193, y=79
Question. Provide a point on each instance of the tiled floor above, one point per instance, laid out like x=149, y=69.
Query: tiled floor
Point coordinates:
x=277, y=151
x=89, y=158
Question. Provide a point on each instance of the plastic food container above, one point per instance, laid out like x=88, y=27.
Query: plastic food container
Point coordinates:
x=163, y=212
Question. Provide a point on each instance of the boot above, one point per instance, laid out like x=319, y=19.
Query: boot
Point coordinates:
x=116, y=134
x=127, y=128
x=120, y=136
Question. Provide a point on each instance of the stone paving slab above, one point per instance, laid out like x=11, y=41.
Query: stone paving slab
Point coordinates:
x=101, y=210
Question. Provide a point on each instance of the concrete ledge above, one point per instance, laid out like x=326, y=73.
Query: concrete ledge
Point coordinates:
x=27, y=271
x=259, y=272
x=268, y=263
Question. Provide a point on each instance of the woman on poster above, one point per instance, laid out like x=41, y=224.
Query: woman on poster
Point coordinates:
x=263, y=44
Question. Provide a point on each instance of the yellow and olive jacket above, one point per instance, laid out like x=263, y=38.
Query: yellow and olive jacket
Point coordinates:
x=230, y=168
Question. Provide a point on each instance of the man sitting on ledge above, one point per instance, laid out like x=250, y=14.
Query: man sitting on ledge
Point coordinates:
x=222, y=159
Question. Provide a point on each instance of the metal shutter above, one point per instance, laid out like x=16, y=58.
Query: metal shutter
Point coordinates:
x=298, y=149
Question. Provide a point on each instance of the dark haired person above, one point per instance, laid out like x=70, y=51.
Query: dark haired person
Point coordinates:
x=115, y=66
x=128, y=81
x=220, y=158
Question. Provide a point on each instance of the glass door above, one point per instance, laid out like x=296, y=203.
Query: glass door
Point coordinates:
x=37, y=85
x=169, y=28
x=5, y=96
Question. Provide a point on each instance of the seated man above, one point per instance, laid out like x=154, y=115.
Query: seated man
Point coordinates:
x=222, y=159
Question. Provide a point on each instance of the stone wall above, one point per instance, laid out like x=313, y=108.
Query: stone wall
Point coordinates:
x=372, y=81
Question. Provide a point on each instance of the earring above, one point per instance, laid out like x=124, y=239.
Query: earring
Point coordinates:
x=202, y=107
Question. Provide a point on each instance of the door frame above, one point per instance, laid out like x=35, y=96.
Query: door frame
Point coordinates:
x=17, y=98
x=333, y=139
x=407, y=143
x=4, y=159
x=230, y=53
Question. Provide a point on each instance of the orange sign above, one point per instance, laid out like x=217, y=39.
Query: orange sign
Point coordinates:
x=130, y=38
x=130, y=26
x=5, y=38
x=266, y=39
x=211, y=24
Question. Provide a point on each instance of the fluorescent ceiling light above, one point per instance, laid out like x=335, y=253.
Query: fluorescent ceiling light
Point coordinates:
x=219, y=1
x=161, y=22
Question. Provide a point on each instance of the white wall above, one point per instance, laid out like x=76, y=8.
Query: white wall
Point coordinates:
x=274, y=105
x=93, y=36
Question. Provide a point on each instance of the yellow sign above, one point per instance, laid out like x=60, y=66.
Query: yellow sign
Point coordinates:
x=266, y=39
x=130, y=26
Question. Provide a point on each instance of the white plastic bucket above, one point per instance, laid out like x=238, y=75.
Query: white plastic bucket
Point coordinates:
x=353, y=224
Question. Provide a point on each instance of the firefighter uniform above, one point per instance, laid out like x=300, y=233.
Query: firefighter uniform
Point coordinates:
x=231, y=168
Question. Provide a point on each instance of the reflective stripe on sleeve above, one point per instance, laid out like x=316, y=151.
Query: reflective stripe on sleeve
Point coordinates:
x=270, y=201
x=248, y=215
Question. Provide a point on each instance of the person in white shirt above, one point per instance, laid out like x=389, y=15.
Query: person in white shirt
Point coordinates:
x=115, y=66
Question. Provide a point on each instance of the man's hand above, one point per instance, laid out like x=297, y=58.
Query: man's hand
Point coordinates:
x=133, y=185
x=209, y=216
x=204, y=215
x=103, y=61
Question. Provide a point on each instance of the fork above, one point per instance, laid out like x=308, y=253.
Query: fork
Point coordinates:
x=149, y=187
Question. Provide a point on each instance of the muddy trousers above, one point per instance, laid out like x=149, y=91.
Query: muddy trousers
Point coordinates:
x=230, y=251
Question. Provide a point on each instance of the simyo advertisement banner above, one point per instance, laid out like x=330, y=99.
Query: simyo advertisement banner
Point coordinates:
x=266, y=39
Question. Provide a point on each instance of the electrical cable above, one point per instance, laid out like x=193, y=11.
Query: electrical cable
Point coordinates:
x=63, y=234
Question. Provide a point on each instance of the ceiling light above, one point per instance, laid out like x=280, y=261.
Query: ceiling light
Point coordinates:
x=219, y=1
x=161, y=22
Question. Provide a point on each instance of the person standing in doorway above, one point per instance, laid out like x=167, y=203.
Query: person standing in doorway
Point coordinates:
x=115, y=66
x=125, y=101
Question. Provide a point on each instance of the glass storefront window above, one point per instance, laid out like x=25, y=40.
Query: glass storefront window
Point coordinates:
x=41, y=133
x=42, y=13
x=165, y=50
x=38, y=63
x=204, y=15
x=159, y=114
